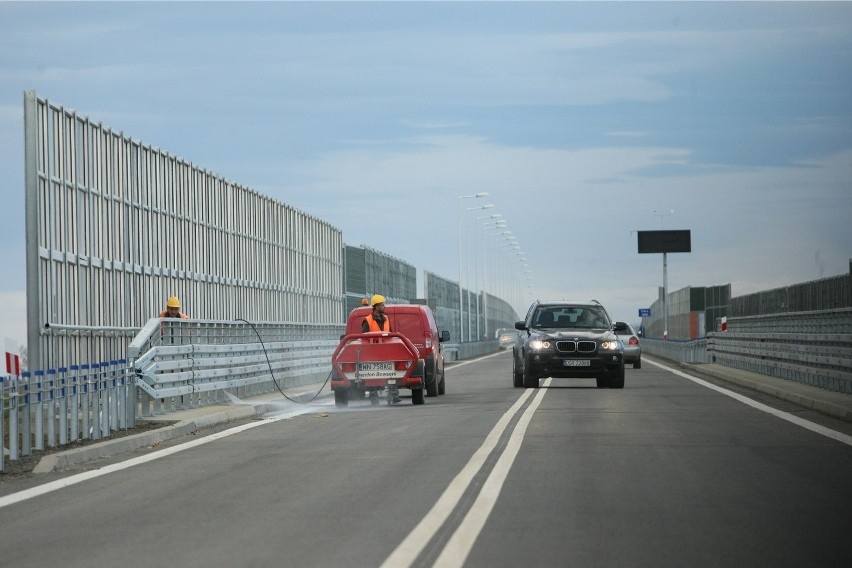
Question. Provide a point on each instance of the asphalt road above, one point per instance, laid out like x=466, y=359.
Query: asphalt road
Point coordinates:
x=666, y=472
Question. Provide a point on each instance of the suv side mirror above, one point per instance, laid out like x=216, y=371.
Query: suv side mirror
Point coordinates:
x=445, y=336
x=522, y=325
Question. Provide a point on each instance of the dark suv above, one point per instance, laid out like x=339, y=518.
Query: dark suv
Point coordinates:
x=563, y=339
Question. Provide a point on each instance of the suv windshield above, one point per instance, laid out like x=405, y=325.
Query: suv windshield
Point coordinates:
x=587, y=317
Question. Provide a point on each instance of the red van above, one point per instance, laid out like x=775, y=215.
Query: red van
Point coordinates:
x=417, y=323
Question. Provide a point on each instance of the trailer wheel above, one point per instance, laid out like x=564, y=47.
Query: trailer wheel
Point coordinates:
x=417, y=396
x=341, y=398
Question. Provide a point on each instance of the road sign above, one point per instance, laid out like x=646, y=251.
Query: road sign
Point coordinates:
x=644, y=312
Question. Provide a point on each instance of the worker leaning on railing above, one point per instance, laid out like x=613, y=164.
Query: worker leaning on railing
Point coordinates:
x=174, y=334
x=173, y=309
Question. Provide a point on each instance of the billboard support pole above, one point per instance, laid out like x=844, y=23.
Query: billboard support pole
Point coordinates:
x=665, y=242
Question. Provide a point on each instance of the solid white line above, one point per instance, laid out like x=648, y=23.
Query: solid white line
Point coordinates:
x=813, y=427
x=408, y=550
x=457, y=549
x=81, y=477
x=476, y=360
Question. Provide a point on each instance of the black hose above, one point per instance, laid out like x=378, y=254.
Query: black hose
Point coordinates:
x=272, y=374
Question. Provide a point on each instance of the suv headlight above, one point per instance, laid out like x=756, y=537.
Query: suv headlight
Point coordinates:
x=611, y=345
x=539, y=344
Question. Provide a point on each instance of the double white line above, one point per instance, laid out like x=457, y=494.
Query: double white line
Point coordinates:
x=458, y=547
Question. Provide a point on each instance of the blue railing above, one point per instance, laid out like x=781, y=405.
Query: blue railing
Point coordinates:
x=56, y=407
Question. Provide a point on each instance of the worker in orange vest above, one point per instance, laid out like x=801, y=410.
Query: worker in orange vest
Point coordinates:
x=376, y=320
x=173, y=309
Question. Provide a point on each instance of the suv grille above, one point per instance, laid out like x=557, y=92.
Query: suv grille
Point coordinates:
x=576, y=346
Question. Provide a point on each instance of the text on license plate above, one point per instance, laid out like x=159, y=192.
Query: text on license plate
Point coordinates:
x=370, y=367
x=576, y=362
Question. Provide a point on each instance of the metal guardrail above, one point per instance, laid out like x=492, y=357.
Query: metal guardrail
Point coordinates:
x=822, y=321
x=816, y=359
x=682, y=351
x=813, y=348
x=61, y=406
x=188, y=363
x=174, y=364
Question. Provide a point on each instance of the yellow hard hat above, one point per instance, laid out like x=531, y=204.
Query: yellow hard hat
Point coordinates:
x=377, y=299
x=173, y=302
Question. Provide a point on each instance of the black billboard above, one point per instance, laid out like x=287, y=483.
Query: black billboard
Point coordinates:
x=665, y=241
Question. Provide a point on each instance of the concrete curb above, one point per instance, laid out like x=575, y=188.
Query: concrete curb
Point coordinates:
x=129, y=443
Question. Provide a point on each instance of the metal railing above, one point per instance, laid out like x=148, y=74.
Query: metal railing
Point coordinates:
x=56, y=407
x=188, y=363
x=173, y=364
x=682, y=351
x=813, y=348
x=817, y=359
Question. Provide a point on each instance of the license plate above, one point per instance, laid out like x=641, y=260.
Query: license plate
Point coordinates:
x=372, y=367
x=576, y=362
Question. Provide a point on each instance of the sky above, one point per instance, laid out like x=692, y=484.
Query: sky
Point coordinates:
x=585, y=122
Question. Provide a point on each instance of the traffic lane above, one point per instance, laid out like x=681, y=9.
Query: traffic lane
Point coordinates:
x=663, y=473
x=329, y=488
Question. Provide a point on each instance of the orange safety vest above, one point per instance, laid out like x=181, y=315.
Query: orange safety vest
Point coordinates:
x=374, y=325
x=165, y=313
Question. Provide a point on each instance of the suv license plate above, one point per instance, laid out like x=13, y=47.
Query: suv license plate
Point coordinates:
x=371, y=367
x=576, y=363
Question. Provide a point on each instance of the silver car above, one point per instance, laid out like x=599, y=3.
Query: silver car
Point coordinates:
x=506, y=337
x=632, y=349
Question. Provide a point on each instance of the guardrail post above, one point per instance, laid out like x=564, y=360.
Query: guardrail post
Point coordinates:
x=74, y=400
x=49, y=391
x=111, y=393
x=13, y=419
x=121, y=394
x=85, y=401
x=97, y=407
x=27, y=426
x=36, y=392
x=3, y=382
x=63, y=406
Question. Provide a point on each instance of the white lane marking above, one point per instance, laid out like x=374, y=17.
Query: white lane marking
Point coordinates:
x=469, y=361
x=85, y=476
x=458, y=547
x=813, y=427
x=408, y=550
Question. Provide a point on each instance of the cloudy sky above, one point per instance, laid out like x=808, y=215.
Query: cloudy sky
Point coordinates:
x=584, y=121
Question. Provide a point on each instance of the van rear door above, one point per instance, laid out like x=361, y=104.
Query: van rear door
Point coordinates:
x=409, y=325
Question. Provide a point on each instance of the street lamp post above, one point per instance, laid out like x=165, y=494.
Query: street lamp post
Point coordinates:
x=458, y=216
x=498, y=224
x=467, y=277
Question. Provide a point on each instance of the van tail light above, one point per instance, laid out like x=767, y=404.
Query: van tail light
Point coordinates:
x=402, y=365
x=348, y=367
x=428, y=342
x=634, y=341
